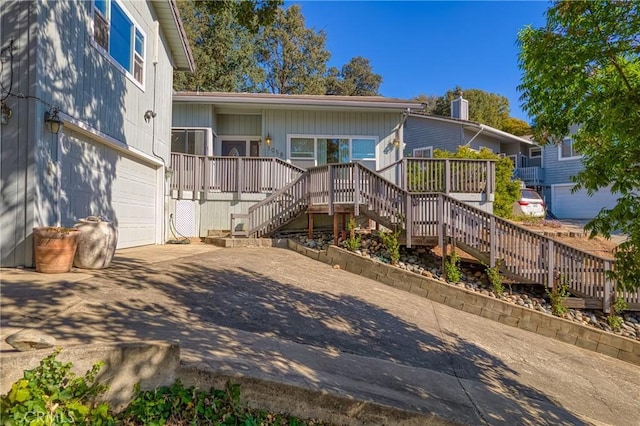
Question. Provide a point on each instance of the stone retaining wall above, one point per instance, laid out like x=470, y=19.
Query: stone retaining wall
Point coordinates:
x=475, y=303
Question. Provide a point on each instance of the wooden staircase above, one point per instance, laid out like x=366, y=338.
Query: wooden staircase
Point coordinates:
x=429, y=216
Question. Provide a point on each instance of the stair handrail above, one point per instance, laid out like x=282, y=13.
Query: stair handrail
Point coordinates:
x=295, y=202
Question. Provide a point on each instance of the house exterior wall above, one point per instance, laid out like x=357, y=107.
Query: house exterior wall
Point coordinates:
x=193, y=115
x=422, y=133
x=381, y=125
x=239, y=125
x=19, y=136
x=57, y=63
x=558, y=171
x=477, y=140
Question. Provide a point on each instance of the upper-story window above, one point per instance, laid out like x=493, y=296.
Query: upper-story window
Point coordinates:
x=567, y=150
x=115, y=31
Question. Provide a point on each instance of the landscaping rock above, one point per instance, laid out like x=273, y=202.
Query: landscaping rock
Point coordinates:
x=30, y=339
x=423, y=262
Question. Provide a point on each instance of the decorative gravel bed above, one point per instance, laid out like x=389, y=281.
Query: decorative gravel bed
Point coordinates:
x=423, y=261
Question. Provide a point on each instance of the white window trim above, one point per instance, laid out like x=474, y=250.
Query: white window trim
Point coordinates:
x=208, y=131
x=426, y=148
x=315, y=138
x=561, y=158
x=514, y=160
x=531, y=149
x=108, y=56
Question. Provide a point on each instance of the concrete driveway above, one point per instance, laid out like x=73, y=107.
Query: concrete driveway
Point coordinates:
x=274, y=314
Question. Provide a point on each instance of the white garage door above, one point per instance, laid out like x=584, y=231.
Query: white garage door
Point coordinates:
x=98, y=180
x=579, y=205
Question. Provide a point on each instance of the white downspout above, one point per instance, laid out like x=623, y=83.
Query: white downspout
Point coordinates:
x=476, y=135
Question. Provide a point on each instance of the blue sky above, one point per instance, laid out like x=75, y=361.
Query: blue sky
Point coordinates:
x=430, y=46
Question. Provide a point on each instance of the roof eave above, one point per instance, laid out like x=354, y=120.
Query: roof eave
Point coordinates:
x=283, y=100
x=169, y=19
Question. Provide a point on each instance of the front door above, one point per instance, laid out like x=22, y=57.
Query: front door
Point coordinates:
x=240, y=148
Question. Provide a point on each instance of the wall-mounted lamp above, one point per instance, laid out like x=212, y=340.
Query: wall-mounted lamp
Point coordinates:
x=396, y=142
x=148, y=115
x=6, y=113
x=268, y=140
x=53, y=121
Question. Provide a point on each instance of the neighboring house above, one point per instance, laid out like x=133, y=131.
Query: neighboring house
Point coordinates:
x=548, y=168
x=103, y=69
x=425, y=133
x=552, y=176
x=302, y=130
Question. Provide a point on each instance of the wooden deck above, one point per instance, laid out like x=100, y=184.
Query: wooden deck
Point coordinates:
x=428, y=216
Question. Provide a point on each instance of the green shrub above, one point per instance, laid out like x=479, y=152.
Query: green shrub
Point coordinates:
x=615, y=318
x=452, y=268
x=353, y=242
x=390, y=241
x=507, y=190
x=495, y=279
x=179, y=405
x=556, y=296
x=51, y=394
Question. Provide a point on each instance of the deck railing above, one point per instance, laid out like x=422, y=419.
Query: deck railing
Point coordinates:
x=530, y=175
x=516, y=250
x=444, y=175
x=193, y=173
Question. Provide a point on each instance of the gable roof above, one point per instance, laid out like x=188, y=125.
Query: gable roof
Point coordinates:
x=170, y=22
x=479, y=127
x=270, y=100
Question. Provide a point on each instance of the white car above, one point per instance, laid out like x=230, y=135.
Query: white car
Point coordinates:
x=530, y=203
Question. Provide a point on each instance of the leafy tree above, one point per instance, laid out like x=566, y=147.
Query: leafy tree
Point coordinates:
x=507, y=190
x=222, y=36
x=428, y=100
x=486, y=108
x=355, y=79
x=583, y=68
x=515, y=126
x=293, y=57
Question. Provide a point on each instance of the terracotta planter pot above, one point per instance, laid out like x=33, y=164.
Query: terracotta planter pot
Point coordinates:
x=54, y=249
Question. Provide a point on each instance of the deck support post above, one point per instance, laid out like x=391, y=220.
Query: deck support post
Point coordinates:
x=343, y=231
x=310, y=232
x=335, y=229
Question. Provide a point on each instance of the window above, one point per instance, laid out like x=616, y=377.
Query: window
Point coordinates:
x=302, y=148
x=363, y=149
x=567, y=150
x=190, y=141
x=423, y=152
x=535, y=152
x=333, y=149
x=116, y=32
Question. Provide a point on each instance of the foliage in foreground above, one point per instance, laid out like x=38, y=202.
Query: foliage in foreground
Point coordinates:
x=180, y=405
x=582, y=69
x=51, y=394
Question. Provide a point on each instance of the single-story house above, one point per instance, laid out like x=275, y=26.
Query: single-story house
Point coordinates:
x=301, y=130
x=86, y=106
